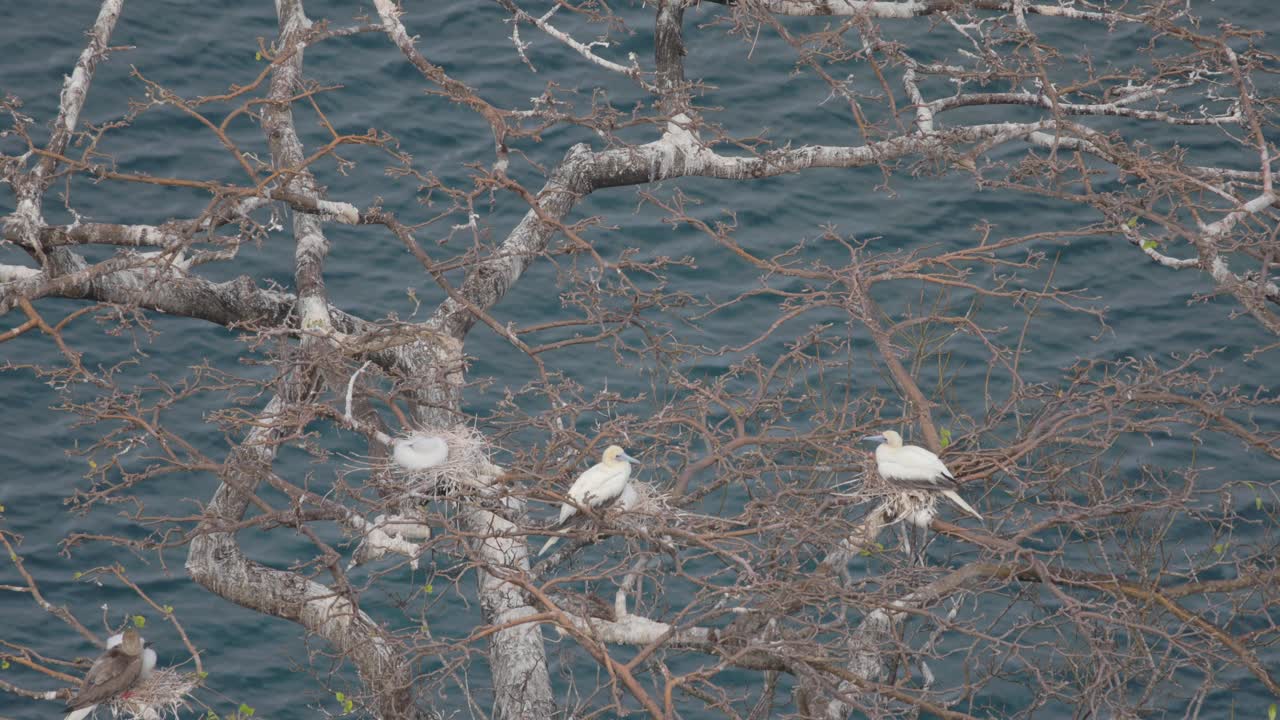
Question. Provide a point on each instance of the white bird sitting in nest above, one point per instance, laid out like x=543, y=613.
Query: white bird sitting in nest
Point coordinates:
x=419, y=452
x=911, y=468
x=919, y=477
x=128, y=660
x=601, y=484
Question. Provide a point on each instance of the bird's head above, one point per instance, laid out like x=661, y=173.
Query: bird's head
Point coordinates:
x=131, y=643
x=614, y=454
x=892, y=438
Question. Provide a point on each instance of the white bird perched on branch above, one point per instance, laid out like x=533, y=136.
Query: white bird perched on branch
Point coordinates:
x=912, y=468
x=127, y=661
x=602, y=483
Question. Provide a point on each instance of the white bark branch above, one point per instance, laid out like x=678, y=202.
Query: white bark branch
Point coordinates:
x=517, y=657
x=677, y=154
x=311, y=246
x=633, y=71
x=26, y=219
x=887, y=10
x=1113, y=109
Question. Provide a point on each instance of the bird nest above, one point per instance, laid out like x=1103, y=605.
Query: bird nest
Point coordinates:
x=907, y=504
x=641, y=500
x=465, y=468
x=161, y=695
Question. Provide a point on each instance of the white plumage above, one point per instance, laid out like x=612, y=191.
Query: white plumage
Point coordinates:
x=419, y=452
x=601, y=483
x=912, y=468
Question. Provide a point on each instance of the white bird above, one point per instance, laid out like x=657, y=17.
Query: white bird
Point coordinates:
x=602, y=483
x=912, y=468
x=419, y=452
x=128, y=660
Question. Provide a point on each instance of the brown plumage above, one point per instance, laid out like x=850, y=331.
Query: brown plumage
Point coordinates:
x=112, y=674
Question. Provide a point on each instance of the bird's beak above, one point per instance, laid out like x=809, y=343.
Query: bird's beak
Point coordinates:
x=874, y=438
x=629, y=459
x=147, y=644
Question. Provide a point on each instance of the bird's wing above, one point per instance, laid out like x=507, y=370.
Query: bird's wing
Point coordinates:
x=566, y=511
x=910, y=478
x=913, y=471
x=595, y=487
x=921, y=458
x=589, y=479
x=598, y=485
x=599, y=497
x=110, y=675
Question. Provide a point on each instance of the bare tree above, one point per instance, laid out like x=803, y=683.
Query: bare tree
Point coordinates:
x=755, y=571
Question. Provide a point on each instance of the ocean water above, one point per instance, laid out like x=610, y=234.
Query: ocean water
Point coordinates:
x=201, y=49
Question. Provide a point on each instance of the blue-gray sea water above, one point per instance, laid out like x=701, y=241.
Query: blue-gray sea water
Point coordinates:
x=202, y=48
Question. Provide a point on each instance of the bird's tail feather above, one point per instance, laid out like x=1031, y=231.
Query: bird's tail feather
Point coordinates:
x=80, y=714
x=954, y=497
x=547, y=547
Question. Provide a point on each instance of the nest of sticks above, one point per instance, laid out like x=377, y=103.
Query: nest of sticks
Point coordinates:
x=466, y=468
x=161, y=695
x=642, y=501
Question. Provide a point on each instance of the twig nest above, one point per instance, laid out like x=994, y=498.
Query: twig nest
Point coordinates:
x=915, y=507
x=443, y=460
x=420, y=452
x=642, y=499
x=162, y=694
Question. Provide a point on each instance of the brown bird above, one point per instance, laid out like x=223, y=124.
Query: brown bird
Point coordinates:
x=112, y=674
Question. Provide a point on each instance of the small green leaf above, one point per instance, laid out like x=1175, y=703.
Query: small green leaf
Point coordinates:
x=1132, y=222
x=1, y=507
x=1220, y=548
x=139, y=621
x=211, y=716
x=1271, y=712
x=168, y=609
x=946, y=438
x=246, y=710
x=203, y=674
x=258, y=56
x=348, y=706
x=1257, y=503
x=429, y=588
x=4, y=664
x=13, y=558
x=1148, y=244
x=340, y=697
x=77, y=575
